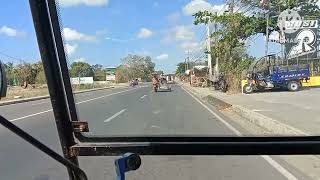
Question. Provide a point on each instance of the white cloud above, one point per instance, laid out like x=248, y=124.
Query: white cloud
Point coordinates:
x=144, y=33
x=162, y=57
x=173, y=17
x=69, y=3
x=318, y=3
x=80, y=60
x=220, y=8
x=189, y=45
x=74, y=35
x=11, y=32
x=183, y=33
x=71, y=48
x=118, y=40
x=195, y=6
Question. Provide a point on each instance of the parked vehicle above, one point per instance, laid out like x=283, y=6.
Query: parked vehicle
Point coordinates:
x=220, y=83
x=267, y=74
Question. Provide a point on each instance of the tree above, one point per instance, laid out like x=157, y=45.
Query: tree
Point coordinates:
x=122, y=74
x=10, y=72
x=99, y=73
x=138, y=66
x=26, y=73
x=274, y=7
x=41, y=77
x=229, y=47
x=81, y=69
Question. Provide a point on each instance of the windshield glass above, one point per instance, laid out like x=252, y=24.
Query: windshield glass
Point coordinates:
x=170, y=68
x=183, y=69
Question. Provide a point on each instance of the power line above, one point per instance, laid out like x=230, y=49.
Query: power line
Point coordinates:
x=11, y=57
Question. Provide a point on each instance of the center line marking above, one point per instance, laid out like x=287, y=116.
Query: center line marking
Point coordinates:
x=143, y=96
x=115, y=115
x=49, y=110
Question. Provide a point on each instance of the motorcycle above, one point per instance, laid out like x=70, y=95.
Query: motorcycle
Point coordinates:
x=155, y=87
x=220, y=84
x=134, y=83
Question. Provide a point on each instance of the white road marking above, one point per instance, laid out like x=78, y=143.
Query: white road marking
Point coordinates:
x=261, y=110
x=115, y=115
x=42, y=112
x=143, y=96
x=156, y=112
x=39, y=103
x=88, y=100
x=272, y=162
x=154, y=126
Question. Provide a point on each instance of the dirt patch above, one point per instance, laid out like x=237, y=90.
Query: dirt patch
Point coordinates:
x=217, y=103
x=17, y=92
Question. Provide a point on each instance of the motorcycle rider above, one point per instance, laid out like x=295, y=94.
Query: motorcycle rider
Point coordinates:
x=155, y=82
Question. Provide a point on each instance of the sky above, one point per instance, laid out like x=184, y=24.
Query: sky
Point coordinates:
x=104, y=31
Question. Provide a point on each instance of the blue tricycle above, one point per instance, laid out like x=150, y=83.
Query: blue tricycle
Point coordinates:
x=268, y=73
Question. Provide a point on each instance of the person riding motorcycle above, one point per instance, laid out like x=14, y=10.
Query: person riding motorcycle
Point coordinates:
x=155, y=83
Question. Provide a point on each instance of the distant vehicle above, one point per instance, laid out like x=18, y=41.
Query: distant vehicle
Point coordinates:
x=134, y=82
x=266, y=74
x=164, y=86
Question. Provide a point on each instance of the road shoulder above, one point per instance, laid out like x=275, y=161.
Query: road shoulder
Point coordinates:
x=308, y=165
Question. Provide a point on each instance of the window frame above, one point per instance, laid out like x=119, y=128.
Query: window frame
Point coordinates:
x=48, y=30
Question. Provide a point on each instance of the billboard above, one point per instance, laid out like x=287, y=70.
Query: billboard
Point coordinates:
x=303, y=41
x=111, y=70
x=82, y=80
x=111, y=77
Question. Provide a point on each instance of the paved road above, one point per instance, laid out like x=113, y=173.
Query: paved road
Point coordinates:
x=299, y=110
x=130, y=111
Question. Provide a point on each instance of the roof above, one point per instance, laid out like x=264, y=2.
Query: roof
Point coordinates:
x=200, y=67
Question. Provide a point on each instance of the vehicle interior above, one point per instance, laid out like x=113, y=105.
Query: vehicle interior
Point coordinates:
x=128, y=152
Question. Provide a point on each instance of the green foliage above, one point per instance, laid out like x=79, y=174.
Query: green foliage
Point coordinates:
x=10, y=72
x=99, y=72
x=180, y=69
x=235, y=28
x=274, y=7
x=122, y=74
x=135, y=66
x=26, y=72
x=41, y=78
x=81, y=69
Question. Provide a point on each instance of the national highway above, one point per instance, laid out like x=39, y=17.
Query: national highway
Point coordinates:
x=132, y=111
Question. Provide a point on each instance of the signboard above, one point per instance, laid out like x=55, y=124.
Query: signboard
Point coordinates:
x=111, y=77
x=111, y=70
x=82, y=80
x=302, y=43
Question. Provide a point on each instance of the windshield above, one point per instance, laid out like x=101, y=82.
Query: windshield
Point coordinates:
x=166, y=68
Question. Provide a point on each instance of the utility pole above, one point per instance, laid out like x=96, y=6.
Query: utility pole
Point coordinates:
x=217, y=58
x=267, y=30
x=185, y=65
x=209, y=50
x=267, y=35
x=188, y=58
x=231, y=7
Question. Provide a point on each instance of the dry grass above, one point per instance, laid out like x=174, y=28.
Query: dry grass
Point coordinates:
x=17, y=92
x=234, y=85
